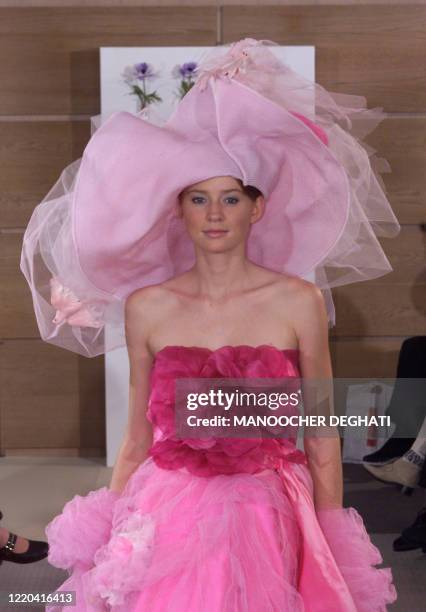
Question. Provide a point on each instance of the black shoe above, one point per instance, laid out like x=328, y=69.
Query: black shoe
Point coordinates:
x=402, y=544
x=392, y=449
x=36, y=551
x=413, y=537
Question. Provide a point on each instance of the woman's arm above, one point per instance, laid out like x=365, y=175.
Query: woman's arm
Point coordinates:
x=138, y=435
x=354, y=553
x=323, y=450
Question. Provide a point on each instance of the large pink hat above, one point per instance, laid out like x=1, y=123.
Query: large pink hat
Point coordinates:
x=109, y=225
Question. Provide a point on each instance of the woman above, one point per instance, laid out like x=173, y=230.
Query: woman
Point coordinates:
x=240, y=310
x=193, y=523
x=227, y=300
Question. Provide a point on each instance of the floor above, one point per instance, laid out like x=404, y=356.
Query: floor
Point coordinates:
x=35, y=489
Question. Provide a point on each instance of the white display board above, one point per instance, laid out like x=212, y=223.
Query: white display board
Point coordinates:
x=115, y=97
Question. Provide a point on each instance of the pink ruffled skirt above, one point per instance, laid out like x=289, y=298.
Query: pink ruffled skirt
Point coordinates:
x=177, y=542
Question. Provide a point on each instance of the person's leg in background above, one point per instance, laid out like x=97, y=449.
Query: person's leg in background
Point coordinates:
x=407, y=416
x=406, y=470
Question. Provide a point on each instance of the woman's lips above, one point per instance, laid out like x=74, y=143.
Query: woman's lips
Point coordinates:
x=215, y=233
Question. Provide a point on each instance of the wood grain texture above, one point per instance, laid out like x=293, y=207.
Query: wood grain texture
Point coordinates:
x=393, y=303
x=32, y=157
x=361, y=360
x=40, y=395
x=218, y=3
x=91, y=379
x=50, y=399
x=17, y=319
x=401, y=141
x=59, y=49
x=374, y=51
x=375, y=357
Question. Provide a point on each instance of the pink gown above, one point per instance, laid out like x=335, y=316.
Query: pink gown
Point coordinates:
x=228, y=526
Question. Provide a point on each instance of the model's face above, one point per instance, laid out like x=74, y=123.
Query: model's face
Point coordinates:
x=218, y=204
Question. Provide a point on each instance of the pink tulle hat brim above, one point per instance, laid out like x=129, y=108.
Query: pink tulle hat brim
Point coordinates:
x=124, y=219
x=108, y=226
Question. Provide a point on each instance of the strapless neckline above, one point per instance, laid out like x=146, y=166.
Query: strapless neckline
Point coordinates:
x=221, y=348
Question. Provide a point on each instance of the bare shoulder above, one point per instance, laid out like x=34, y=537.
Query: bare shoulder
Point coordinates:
x=143, y=309
x=305, y=301
x=311, y=327
x=309, y=305
x=307, y=295
x=297, y=291
x=143, y=298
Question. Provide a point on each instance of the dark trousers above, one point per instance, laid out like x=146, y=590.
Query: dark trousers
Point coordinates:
x=407, y=407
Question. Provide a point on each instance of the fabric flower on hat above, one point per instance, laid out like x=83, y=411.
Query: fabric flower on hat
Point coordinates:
x=72, y=310
x=235, y=60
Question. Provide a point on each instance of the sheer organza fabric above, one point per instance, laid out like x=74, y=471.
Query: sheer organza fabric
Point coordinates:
x=109, y=226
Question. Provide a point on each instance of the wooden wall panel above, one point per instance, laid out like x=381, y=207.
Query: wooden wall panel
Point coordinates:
x=40, y=395
x=376, y=51
x=17, y=318
x=172, y=3
x=53, y=53
x=92, y=432
x=52, y=400
x=373, y=357
x=392, y=303
x=362, y=358
x=401, y=140
x=32, y=156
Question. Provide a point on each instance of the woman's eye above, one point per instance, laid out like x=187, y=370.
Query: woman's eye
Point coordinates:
x=200, y=200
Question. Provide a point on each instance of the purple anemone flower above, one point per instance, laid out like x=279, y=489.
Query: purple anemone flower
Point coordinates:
x=185, y=71
x=188, y=69
x=144, y=71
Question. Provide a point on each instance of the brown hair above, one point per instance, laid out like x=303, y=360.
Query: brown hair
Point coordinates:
x=249, y=190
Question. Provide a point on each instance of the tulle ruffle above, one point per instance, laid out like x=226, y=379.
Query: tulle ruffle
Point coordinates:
x=180, y=542
x=371, y=588
x=175, y=542
x=68, y=546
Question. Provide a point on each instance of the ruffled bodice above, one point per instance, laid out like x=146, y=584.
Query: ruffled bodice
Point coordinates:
x=217, y=455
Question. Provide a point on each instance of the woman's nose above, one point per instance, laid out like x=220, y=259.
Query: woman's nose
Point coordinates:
x=215, y=210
